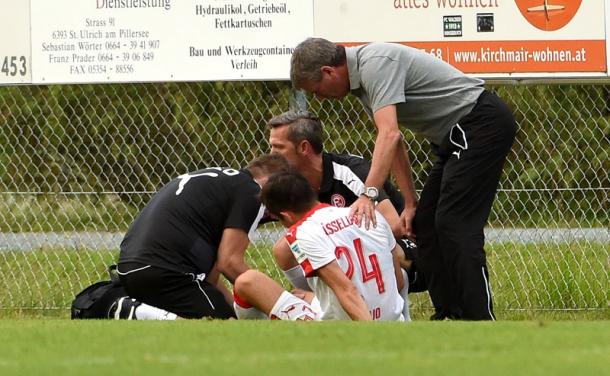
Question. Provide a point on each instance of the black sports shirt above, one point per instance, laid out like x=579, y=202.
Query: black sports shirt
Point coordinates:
x=343, y=181
x=181, y=227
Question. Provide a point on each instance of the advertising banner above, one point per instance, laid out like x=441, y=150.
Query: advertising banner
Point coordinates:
x=165, y=40
x=15, y=42
x=479, y=36
x=74, y=41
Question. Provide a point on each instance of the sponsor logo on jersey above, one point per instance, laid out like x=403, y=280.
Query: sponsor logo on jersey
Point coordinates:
x=296, y=250
x=337, y=200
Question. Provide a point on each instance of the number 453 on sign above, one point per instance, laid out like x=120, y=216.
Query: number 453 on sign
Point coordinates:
x=13, y=66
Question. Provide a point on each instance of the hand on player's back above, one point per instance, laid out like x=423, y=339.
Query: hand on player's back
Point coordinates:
x=363, y=209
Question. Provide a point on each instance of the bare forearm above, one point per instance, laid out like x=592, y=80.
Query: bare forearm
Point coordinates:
x=354, y=305
x=401, y=168
x=225, y=291
x=231, y=253
x=388, y=211
x=386, y=145
x=233, y=268
x=397, y=269
x=383, y=155
x=348, y=295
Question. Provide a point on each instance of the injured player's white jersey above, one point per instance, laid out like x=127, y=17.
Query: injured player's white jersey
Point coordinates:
x=327, y=233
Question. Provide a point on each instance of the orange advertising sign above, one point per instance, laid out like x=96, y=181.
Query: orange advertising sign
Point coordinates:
x=548, y=15
x=518, y=56
x=490, y=37
x=521, y=56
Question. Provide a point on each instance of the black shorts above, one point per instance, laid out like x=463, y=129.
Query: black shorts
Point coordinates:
x=417, y=280
x=184, y=294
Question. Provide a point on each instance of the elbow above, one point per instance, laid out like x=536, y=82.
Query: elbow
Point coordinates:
x=283, y=256
x=231, y=269
x=394, y=135
x=390, y=137
x=225, y=269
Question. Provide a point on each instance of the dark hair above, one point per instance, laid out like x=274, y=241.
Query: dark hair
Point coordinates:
x=311, y=55
x=287, y=190
x=267, y=164
x=302, y=125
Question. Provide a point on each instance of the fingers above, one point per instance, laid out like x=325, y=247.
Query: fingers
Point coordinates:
x=299, y=294
x=411, y=236
x=363, y=209
x=407, y=222
x=371, y=215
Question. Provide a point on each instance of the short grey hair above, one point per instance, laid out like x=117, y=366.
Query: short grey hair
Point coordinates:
x=302, y=125
x=311, y=55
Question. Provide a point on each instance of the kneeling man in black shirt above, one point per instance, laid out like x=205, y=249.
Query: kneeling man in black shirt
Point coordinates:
x=194, y=229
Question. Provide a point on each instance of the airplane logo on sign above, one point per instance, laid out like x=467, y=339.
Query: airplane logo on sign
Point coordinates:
x=546, y=7
x=548, y=15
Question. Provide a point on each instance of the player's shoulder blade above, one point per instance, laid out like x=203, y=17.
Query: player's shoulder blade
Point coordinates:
x=221, y=178
x=346, y=159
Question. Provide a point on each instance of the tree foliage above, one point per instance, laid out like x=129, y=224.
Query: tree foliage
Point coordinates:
x=132, y=138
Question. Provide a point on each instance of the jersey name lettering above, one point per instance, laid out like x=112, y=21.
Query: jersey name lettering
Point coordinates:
x=337, y=225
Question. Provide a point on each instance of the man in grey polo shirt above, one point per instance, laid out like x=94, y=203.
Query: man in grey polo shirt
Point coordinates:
x=471, y=132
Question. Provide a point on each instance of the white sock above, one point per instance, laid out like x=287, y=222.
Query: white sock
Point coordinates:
x=297, y=278
x=289, y=307
x=249, y=313
x=147, y=312
x=245, y=311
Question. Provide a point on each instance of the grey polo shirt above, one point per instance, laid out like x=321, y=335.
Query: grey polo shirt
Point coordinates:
x=430, y=95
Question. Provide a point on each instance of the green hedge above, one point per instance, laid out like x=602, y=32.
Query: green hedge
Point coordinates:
x=128, y=138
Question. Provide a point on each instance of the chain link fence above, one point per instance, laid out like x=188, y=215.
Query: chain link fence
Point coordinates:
x=78, y=162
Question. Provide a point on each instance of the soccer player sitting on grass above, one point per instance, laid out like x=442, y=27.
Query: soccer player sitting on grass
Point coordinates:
x=350, y=269
x=338, y=180
x=194, y=229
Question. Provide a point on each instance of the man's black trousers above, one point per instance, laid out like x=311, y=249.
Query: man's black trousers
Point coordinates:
x=454, y=207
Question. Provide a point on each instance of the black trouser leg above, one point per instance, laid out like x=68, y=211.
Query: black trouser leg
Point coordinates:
x=431, y=262
x=475, y=154
x=454, y=207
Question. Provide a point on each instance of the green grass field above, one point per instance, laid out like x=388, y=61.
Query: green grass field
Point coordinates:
x=537, y=294
x=529, y=281
x=59, y=347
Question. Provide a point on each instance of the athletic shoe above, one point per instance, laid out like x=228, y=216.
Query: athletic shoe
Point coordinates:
x=441, y=316
x=126, y=309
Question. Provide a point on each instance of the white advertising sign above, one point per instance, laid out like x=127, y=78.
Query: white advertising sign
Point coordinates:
x=14, y=42
x=166, y=40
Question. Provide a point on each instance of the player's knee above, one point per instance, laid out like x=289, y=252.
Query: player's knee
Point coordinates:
x=245, y=282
